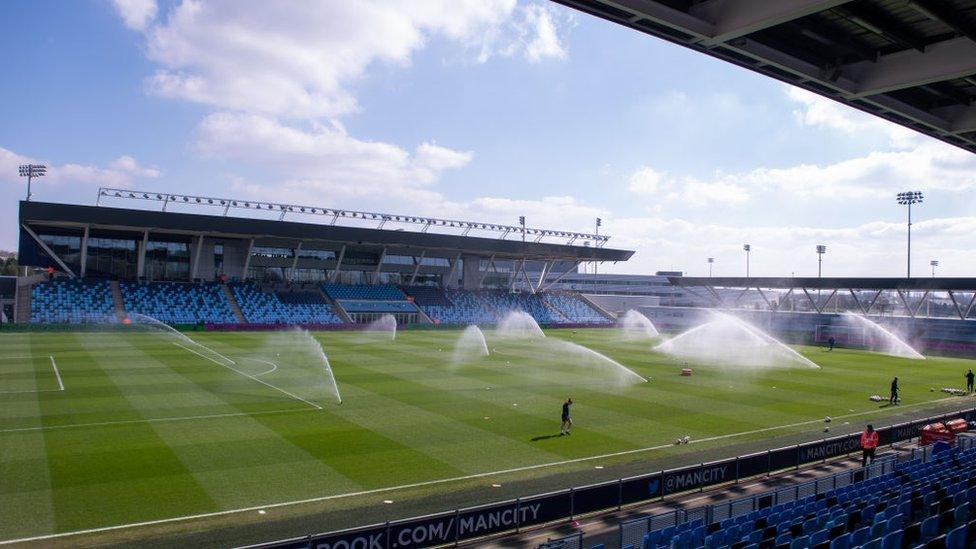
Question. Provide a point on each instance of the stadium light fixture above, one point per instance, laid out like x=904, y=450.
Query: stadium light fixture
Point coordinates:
x=711, y=261
x=747, y=248
x=522, y=223
x=821, y=250
x=934, y=263
x=908, y=198
x=30, y=171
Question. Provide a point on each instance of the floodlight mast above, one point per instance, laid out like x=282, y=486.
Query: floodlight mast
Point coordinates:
x=908, y=198
x=30, y=171
x=821, y=250
x=747, y=248
x=711, y=261
x=934, y=263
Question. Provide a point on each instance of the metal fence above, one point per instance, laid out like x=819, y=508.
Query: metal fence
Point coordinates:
x=632, y=531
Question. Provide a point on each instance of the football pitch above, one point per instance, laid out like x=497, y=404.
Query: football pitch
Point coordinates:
x=99, y=429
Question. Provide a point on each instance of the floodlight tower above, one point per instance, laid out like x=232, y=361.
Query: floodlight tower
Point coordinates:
x=821, y=250
x=599, y=223
x=522, y=223
x=934, y=263
x=711, y=261
x=908, y=198
x=30, y=171
x=747, y=248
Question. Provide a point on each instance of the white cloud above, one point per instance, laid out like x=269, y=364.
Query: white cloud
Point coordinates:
x=645, y=180
x=121, y=172
x=912, y=161
x=869, y=249
x=816, y=110
x=689, y=191
x=540, y=35
x=325, y=157
x=300, y=60
x=64, y=183
x=136, y=14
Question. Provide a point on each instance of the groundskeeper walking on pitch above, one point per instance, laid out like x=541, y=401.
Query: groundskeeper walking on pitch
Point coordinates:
x=869, y=441
x=894, y=392
x=970, y=377
x=567, y=421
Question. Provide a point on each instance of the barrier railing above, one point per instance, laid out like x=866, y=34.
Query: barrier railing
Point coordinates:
x=632, y=531
x=452, y=527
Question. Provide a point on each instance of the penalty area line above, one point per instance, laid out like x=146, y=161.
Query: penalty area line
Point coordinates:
x=247, y=375
x=57, y=374
x=436, y=481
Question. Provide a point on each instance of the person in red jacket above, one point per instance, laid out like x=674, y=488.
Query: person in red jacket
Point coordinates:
x=869, y=441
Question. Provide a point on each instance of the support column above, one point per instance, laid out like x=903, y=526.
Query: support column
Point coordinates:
x=335, y=272
x=195, y=260
x=141, y=255
x=84, y=253
x=449, y=278
x=247, y=259
x=416, y=268
x=379, y=266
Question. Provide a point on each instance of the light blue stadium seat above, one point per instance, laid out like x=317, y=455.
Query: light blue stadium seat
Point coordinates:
x=178, y=302
x=72, y=302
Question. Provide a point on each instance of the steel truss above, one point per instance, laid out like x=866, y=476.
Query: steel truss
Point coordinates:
x=599, y=240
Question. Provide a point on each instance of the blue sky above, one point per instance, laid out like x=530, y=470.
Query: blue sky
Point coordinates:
x=479, y=109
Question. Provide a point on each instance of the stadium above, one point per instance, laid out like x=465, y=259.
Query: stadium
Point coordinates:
x=219, y=371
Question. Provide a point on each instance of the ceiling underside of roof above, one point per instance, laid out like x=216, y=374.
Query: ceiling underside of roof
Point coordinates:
x=912, y=62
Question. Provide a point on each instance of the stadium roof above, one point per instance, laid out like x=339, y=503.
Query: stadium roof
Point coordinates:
x=912, y=62
x=35, y=214
x=828, y=283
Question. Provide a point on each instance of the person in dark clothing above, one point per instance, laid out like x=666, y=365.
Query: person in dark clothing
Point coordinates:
x=830, y=343
x=567, y=421
x=894, y=392
x=970, y=377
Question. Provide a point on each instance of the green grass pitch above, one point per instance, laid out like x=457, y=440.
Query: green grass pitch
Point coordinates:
x=146, y=430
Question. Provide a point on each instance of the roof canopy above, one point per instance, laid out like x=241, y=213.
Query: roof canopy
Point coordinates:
x=910, y=62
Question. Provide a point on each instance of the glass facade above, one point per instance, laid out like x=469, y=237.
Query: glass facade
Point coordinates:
x=272, y=252
x=111, y=258
x=167, y=260
x=218, y=260
x=68, y=248
x=316, y=254
x=306, y=275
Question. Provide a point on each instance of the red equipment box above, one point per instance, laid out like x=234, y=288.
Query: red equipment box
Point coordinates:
x=957, y=425
x=935, y=432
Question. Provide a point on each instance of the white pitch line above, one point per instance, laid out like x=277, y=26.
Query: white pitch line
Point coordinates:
x=57, y=373
x=30, y=391
x=245, y=374
x=150, y=420
x=434, y=482
x=272, y=364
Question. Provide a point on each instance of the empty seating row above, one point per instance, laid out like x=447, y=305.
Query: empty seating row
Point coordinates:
x=385, y=292
x=178, y=302
x=302, y=307
x=575, y=309
x=72, y=302
x=425, y=296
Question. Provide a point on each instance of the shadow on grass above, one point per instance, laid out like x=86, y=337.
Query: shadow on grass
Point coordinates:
x=544, y=437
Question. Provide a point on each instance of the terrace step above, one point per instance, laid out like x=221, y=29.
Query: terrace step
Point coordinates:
x=22, y=309
x=335, y=305
x=118, y=301
x=596, y=307
x=234, y=306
